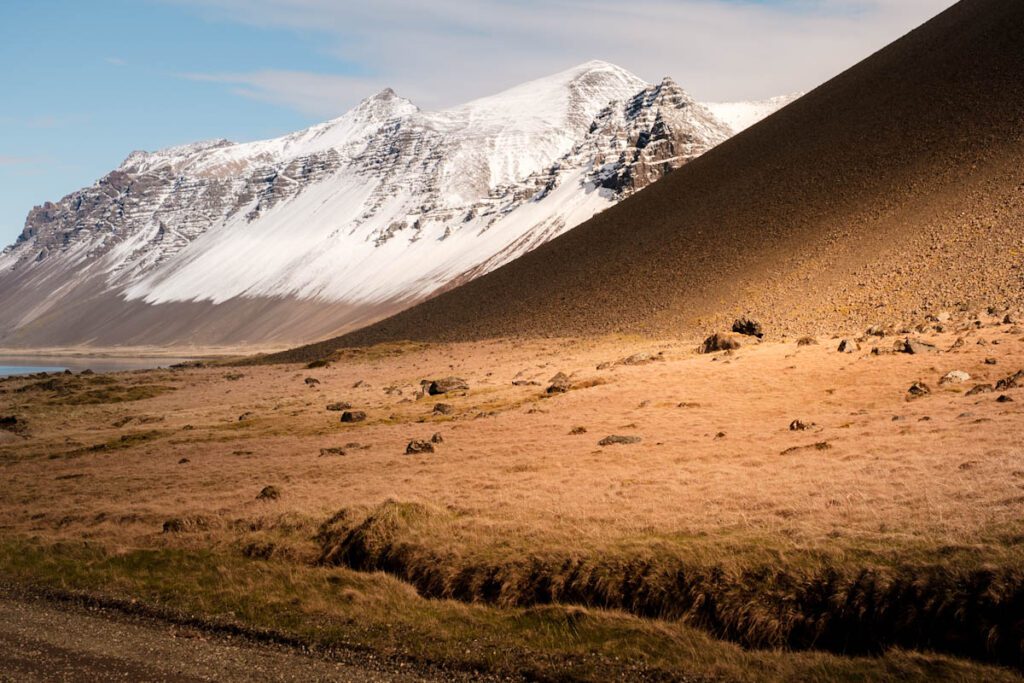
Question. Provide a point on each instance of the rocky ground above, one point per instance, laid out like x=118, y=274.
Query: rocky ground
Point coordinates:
x=878, y=479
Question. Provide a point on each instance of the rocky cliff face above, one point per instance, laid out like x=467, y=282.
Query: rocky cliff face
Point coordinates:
x=359, y=216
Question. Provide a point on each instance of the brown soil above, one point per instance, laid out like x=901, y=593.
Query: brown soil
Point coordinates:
x=894, y=189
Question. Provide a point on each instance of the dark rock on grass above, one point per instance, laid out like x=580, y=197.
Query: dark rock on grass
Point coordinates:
x=443, y=409
x=720, y=341
x=800, y=425
x=1003, y=398
x=560, y=384
x=918, y=389
x=353, y=416
x=269, y=493
x=437, y=438
x=980, y=389
x=246, y=416
x=1014, y=381
x=338, y=406
x=447, y=385
x=820, y=446
x=615, y=439
x=319, y=364
x=748, y=328
x=332, y=451
x=576, y=431
x=178, y=525
x=848, y=346
x=311, y=381
x=642, y=358
x=806, y=341
x=914, y=346
x=417, y=446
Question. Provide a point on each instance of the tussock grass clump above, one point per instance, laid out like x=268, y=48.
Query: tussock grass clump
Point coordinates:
x=972, y=613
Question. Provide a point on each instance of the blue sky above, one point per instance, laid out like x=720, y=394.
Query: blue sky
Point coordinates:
x=83, y=83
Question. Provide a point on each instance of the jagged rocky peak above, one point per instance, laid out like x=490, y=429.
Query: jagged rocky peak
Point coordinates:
x=374, y=209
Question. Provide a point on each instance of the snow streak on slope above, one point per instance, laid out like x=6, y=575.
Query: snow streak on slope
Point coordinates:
x=380, y=207
x=742, y=115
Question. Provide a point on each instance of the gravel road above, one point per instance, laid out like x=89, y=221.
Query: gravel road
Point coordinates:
x=41, y=641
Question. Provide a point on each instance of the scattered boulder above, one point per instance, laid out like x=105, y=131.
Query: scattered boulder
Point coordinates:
x=720, y=341
x=11, y=423
x=820, y=446
x=1014, y=381
x=269, y=493
x=184, y=461
x=338, y=406
x=443, y=409
x=246, y=416
x=913, y=346
x=525, y=383
x=576, y=431
x=642, y=358
x=1003, y=398
x=848, y=346
x=616, y=439
x=800, y=426
x=806, y=341
x=312, y=381
x=1010, y=319
x=748, y=327
x=918, y=389
x=955, y=377
x=560, y=384
x=417, y=446
x=336, y=450
x=447, y=385
x=322, y=363
x=875, y=331
x=991, y=361
x=353, y=416
x=437, y=438
x=980, y=389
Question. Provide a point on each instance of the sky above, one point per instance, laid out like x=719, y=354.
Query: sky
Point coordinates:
x=85, y=82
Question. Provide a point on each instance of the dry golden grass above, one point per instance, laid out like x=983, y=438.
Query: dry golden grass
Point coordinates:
x=513, y=509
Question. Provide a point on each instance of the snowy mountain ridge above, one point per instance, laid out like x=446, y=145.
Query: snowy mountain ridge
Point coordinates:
x=376, y=209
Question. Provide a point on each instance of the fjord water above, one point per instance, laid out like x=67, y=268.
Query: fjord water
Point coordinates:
x=27, y=365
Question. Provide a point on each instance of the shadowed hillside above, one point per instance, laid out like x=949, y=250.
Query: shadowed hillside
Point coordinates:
x=893, y=189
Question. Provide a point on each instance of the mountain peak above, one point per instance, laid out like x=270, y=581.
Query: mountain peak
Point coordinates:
x=385, y=104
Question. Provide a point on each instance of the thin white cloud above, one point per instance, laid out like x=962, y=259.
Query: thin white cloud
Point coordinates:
x=321, y=95
x=444, y=52
x=15, y=161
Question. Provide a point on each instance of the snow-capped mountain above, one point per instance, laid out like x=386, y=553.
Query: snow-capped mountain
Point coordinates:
x=309, y=234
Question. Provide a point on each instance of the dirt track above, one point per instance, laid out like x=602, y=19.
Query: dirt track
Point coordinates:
x=40, y=641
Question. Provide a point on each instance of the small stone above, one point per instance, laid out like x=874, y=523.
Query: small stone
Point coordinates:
x=437, y=438
x=991, y=361
x=353, y=416
x=955, y=377
x=1014, y=381
x=576, y=431
x=848, y=346
x=417, y=446
x=806, y=341
x=312, y=381
x=246, y=416
x=443, y=409
x=1003, y=398
x=980, y=389
x=913, y=346
x=720, y=341
x=184, y=461
x=616, y=439
x=748, y=327
x=447, y=385
x=269, y=493
x=918, y=389
x=339, y=406
x=799, y=426
x=331, y=451
x=560, y=384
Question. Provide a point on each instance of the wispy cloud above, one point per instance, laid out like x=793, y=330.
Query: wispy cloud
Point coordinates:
x=321, y=95
x=447, y=51
x=6, y=160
